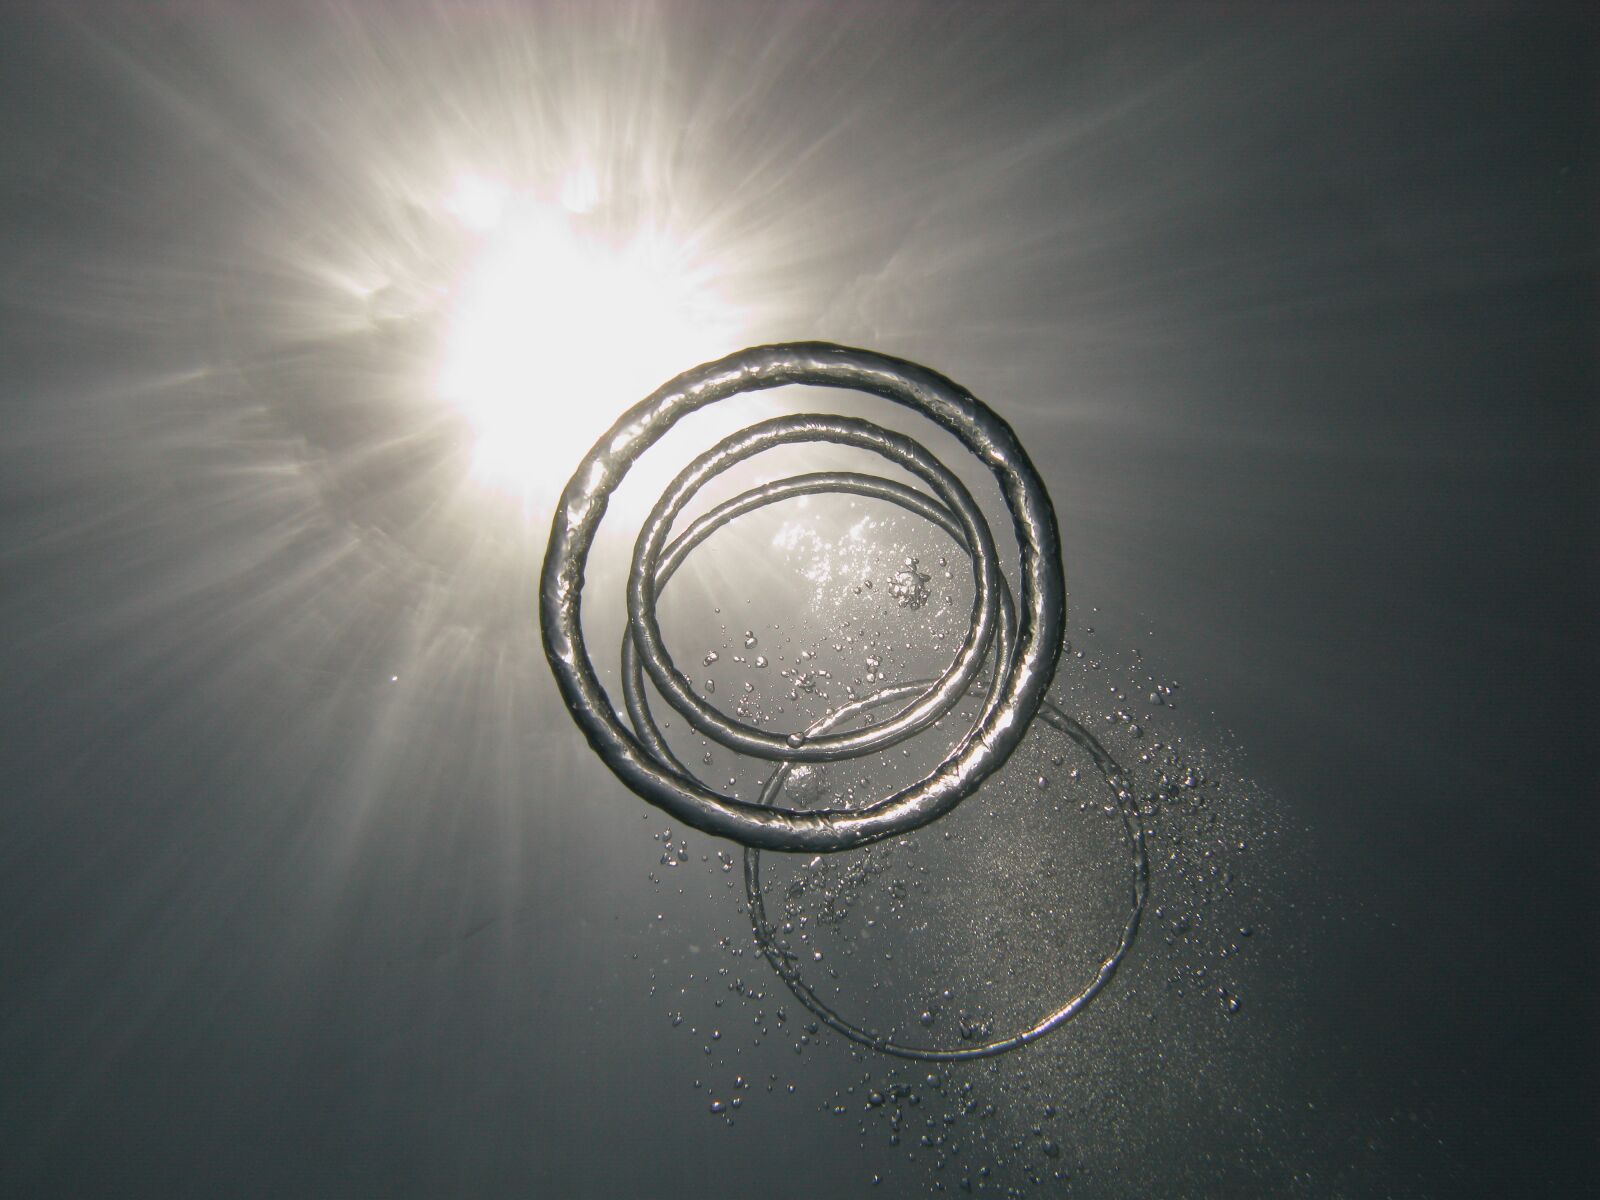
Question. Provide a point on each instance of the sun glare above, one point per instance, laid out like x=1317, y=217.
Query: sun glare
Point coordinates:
x=557, y=327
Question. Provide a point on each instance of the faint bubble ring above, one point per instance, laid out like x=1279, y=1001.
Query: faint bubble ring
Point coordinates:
x=785, y=964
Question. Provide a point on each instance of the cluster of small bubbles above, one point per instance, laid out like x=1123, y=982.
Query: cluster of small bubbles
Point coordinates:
x=1196, y=851
x=807, y=785
x=943, y=1121
x=825, y=890
x=672, y=856
x=804, y=682
x=910, y=586
x=973, y=1027
x=749, y=707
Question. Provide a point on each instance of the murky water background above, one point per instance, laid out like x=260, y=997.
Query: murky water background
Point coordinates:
x=310, y=886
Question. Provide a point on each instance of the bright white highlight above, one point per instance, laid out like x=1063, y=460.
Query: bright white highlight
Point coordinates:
x=560, y=323
x=477, y=203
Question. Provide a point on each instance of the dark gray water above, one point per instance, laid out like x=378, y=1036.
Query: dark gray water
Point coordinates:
x=309, y=884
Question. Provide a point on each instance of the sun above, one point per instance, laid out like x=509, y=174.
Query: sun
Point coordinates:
x=560, y=322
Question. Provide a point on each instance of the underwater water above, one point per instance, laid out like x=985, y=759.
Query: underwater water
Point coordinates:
x=310, y=885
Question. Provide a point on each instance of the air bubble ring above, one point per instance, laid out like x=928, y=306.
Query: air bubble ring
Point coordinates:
x=833, y=482
x=939, y=698
x=1024, y=675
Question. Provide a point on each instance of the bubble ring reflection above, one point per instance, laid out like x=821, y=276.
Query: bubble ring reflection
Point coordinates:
x=1023, y=674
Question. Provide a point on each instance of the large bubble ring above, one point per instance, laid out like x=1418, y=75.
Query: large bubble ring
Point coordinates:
x=1022, y=662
